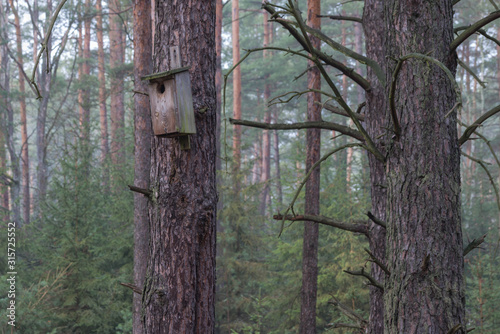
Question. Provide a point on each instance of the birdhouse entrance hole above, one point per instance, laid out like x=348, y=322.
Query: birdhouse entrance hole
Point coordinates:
x=161, y=88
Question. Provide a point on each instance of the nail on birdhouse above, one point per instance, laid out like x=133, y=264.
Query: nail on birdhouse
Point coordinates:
x=171, y=99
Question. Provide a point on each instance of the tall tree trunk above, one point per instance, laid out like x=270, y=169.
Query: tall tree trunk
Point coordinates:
x=425, y=290
x=180, y=283
x=116, y=59
x=276, y=144
x=218, y=87
x=143, y=133
x=377, y=120
x=4, y=93
x=266, y=134
x=84, y=94
x=24, y=128
x=236, y=91
x=310, y=242
x=103, y=113
x=44, y=84
x=498, y=82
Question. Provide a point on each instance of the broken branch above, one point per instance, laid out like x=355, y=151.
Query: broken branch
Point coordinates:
x=372, y=280
x=359, y=227
x=474, y=244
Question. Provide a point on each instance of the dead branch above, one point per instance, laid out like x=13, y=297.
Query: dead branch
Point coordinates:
x=470, y=130
x=370, y=278
x=481, y=31
x=339, y=111
x=145, y=192
x=342, y=18
x=474, y=244
x=348, y=312
x=378, y=262
x=471, y=72
x=472, y=29
x=483, y=165
x=316, y=164
x=356, y=227
x=304, y=125
x=349, y=72
x=134, y=288
x=376, y=220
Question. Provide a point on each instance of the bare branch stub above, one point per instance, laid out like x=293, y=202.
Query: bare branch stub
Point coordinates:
x=475, y=243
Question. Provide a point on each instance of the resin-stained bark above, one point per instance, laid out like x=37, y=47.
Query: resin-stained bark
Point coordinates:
x=142, y=135
x=178, y=296
x=310, y=242
x=425, y=291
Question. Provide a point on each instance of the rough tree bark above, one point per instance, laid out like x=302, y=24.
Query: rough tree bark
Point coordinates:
x=425, y=290
x=178, y=296
x=24, y=128
x=310, y=242
x=377, y=119
x=142, y=133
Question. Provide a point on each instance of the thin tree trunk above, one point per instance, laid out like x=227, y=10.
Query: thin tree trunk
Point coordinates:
x=84, y=93
x=24, y=128
x=236, y=92
x=310, y=242
x=116, y=59
x=143, y=133
x=266, y=135
x=4, y=86
x=425, y=290
x=276, y=145
x=41, y=143
x=180, y=283
x=103, y=113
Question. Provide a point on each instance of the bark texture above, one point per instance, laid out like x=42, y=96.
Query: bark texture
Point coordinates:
x=376, y=122
x=266, y=134
x=310, y=242
x=425, y=291
x=142, y=134
x=179, y=290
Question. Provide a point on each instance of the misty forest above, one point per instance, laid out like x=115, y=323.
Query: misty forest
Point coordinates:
x=245, y=166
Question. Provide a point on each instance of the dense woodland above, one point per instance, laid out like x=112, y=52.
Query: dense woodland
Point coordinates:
x=68, y=152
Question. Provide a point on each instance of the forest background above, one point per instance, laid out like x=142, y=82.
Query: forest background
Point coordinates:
x=66, y=160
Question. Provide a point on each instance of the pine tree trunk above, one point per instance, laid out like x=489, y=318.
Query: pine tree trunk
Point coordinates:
x=116, y=59
x=103, y=113
x=376, y=122
x=276, y=144
x=24, y=129
x=84, y=94
x=425, y=290
x=310, y=242
x=180, y=283
x=4, y=82
x=266, y=135
x=143, y=134
x=236, y=92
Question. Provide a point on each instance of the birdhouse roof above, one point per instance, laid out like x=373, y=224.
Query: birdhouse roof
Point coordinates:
x=165, y=75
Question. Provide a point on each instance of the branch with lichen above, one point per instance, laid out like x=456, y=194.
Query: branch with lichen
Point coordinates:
x=470, y=130
x=473, y=28
x=475, y=243
x=303, y=125
x=392, y=89
x=356, y=227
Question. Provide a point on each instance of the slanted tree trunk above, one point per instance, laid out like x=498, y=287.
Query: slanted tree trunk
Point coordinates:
x=143, y=134
x=425, y=291
x=25, y=180
x=236, y=92
x=103, y=114
x=178, y=296
x=310, y=242
x=116, y=59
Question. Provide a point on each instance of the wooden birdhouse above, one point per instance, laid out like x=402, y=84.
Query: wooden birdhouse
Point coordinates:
x=171, y=100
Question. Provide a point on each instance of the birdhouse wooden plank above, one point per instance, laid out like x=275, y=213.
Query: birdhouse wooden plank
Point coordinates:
x=171, y=103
